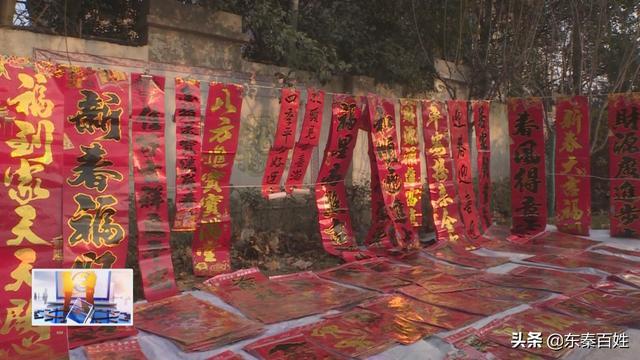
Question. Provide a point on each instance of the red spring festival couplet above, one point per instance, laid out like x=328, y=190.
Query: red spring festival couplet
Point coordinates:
x=410, y=153
x=528, y=182
x=624, y=164
x=389, y=172
x=308, y=140
x=573, y=184
x=459, y=126
x=188, y=149
x=31, y=128
x=440, y=173
x=483, y=144
x=283, y=141
x=149, y=172
x=331, y=195
x=96, y=168
x=212, y=239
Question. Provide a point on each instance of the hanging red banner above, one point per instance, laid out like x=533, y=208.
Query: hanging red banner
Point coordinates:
x=96, y=168
x=283, y=141
x=573, y=184
x=149, y=173
x=410, y=153
x=439, y=171
x=308, y=140
x=31, y=127
x=624, y=164
x=390, y=172
x=381, y=235
x=528, y=182
x=459, y=126
x=212, y=239
x=287, y=119
x=481, y=110
x=331, y=195
x=188, y=148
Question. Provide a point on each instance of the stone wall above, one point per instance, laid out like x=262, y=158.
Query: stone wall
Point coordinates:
x=189, y=42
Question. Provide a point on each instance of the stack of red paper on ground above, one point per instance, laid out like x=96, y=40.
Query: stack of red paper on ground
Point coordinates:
x=629, y=277
x=615, y=250
x=540, y=279
x=193, y=324
x=436, y=267
x=518, y=326
x=587, y=259
x=458, y=255
x=562, y=240
x=227, y=355
x=357, y=274
x=283, y=297
x=86, y=335
x=362, y=332
x=472, y=346
x=115, y=350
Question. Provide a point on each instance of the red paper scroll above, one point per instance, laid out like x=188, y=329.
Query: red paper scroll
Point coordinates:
x=188, y=148
x=283, y=141
x=528, y=183
x=212, y=239
x=152, y=211
x=410, y=152
x=459, y=125
x=31, y=125
x=624, y=164
x=331, y=195
x=309, y=137
x=439, y=171
x=96, y=168
x=481, y=112
x=573, y=185
x=390, y=172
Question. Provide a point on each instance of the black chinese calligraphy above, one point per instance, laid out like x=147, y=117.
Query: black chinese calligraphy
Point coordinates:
x=93, y=221
x=92, y=170
x=98, y=112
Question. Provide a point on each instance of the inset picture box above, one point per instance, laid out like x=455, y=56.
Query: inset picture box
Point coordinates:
x=82, y=297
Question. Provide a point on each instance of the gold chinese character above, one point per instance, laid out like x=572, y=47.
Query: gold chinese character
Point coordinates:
x=33, y=100
x=570, y=187
x=28, y=188
x=22, y=274
x=22, y=230
x=210, y=204
x=570, y=143
x=410, y=175
x=572, y=120
x=571, y=211
x=229, y=107
x=93, y=221
x=28, y=139
x=223, y=132
x=211, y=181
x=443, y=196
x=434, y=116
x=440, y=171
x=437, y=149
x=410, y=135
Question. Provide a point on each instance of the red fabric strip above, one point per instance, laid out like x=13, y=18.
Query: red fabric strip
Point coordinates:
x=96, y=168
x=283, y=141
x=31, y=132
x=440, y=173
x=331, y=196
x=410, y=153
x=528, y=182
x=390, y=171
x=624, y=164
x=308, y=140
x=212, y=239
x=573, y=184
x=188, y=149
x=459, y=126
x=149, y=172
x=481, y=111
